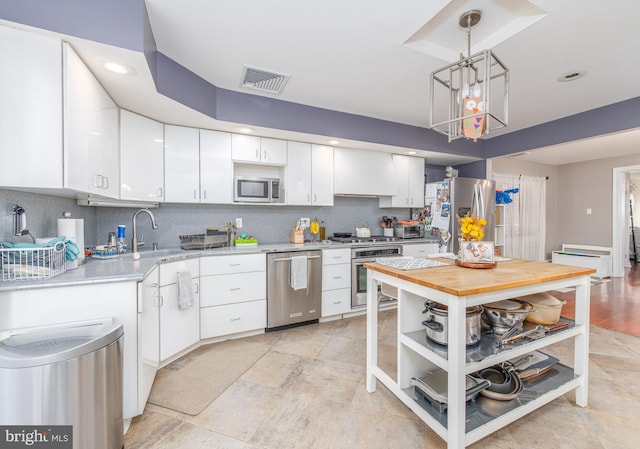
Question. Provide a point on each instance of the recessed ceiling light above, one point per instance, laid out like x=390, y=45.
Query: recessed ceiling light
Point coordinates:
x=411, y=153
x=119, y=68
x=572, y=76
x=246, y=130
x=333, y=142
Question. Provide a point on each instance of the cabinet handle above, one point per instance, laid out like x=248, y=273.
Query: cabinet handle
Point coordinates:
x=315, y=198
x=264, y=155
x=97, y=181
x=195, y=192
x=158, y=301
x=204, y=193
x=152, y=285
x=103, y=186
x=257, y=154
x=337, y=277
x=234, y=319
x=234, y=289
x=337, y=302
x=197, y=285
x=234, y=264
x=159, y=192
x=308, y=197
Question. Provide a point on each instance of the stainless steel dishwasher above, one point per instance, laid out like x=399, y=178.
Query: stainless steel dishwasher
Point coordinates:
x=287, y=302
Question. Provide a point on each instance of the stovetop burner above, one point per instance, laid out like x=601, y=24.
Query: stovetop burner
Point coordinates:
x=372, y=239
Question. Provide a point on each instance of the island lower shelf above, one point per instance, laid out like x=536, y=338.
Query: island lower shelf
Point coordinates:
x=482, y=410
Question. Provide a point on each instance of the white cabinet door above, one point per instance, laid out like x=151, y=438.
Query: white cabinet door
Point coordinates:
x=415, y=177
x=245, y=148
x=30, y=110
x=258, y=150
x=48, y=306
x=409, y=183
x=298, y=174
x=420, y=249
x=182, y=164
x=141, y=158
x=91, y=131
x=360, y=172
x=321, y=175
x=273, y=151
x=233, y=318
x=232, y=288
x=179, y=329
x=216, y=167
x=148, y=335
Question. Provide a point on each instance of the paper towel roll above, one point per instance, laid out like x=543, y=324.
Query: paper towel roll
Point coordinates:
x=73, y=229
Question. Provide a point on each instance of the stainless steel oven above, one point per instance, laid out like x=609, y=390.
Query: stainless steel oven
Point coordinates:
x=360, y=256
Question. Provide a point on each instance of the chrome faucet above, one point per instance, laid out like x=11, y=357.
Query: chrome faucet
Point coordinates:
x=134, y=241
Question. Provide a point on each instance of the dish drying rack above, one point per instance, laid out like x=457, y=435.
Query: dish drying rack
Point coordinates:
x=20, y=264
x=202, y=241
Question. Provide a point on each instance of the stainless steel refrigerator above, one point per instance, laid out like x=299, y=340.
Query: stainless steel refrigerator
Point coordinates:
x=459, y=196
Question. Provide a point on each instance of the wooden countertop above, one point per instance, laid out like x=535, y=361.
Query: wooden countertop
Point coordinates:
x=461, y=281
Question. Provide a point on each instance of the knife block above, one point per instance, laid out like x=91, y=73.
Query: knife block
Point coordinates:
x=296, y=236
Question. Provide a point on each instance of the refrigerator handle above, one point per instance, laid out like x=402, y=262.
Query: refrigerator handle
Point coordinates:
x=477, y=203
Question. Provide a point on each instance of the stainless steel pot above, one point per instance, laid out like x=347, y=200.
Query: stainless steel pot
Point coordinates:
x=437, y=323
x=506, y=314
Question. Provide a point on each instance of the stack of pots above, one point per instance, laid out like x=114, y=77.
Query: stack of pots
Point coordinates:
x=437, y=323
x=504, y=315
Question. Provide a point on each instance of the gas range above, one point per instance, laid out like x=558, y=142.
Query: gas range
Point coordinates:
x=372, y=239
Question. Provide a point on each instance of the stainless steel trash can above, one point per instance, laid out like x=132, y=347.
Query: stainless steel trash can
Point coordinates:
x=65, y=375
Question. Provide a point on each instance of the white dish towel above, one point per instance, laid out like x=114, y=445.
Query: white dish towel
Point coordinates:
x=186, y=290
x=298, y=272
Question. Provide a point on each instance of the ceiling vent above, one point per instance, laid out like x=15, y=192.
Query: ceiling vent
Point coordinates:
x=263, y=80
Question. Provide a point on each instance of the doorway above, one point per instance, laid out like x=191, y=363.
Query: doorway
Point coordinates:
x=620, y=224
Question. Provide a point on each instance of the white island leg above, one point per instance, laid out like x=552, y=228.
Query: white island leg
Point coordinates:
x=456, y=395
x=372, y=331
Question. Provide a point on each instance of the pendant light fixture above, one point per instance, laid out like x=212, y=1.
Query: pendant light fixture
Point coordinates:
x=470, y=97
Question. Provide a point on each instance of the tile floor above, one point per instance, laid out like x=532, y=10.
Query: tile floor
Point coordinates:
x=309, y=391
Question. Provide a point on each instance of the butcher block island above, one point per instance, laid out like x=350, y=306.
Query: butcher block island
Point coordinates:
x=464, y=421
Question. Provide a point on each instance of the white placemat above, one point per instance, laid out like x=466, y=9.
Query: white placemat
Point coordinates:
x=409, y=263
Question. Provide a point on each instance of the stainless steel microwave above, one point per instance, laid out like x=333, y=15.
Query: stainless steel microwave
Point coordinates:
x=256, y=190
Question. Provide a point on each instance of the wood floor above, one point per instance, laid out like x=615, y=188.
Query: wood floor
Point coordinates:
x=615, y=303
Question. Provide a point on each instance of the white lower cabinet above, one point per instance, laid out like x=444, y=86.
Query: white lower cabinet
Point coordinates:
x=49, y=306
x=179, y=329
x=148, y=335
x=420, y=249
x=336, y=281
x=233, y=294
x=233, y=318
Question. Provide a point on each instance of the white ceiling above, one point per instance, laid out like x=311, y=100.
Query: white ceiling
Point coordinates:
x=374, y=58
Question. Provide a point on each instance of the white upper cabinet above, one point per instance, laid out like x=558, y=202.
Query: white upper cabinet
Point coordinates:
x=360, y=172
x=30, y=110
x=141, y=158
x=321, y=175
x=258, y=150
x=182, y=164
x=298, y=174
x=91, y=131
x=409, y=183
x=216, y=167
x=309, y=178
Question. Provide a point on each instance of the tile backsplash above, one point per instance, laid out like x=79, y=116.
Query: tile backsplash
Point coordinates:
x=268, y=223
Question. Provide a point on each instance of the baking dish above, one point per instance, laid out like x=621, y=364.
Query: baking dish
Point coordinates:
x=546, y=308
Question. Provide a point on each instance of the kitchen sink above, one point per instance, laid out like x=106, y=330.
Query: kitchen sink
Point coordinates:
x=160, y=253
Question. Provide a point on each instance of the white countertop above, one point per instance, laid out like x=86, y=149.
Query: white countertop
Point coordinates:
x=123, y=268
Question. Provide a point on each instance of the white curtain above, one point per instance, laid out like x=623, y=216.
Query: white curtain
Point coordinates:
x=533, y=216
x=511, y=215
x=525, y=216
